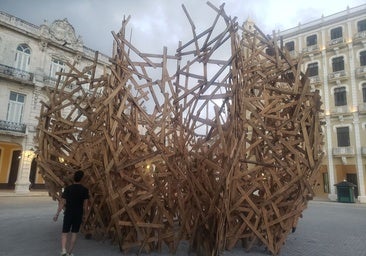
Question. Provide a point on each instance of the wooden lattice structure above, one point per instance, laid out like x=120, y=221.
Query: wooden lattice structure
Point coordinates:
x=220, y=151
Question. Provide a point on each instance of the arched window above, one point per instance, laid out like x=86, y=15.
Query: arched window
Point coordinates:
x=22, y=57
x=56, y=66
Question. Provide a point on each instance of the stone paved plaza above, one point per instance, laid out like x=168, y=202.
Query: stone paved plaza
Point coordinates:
x=326, y=229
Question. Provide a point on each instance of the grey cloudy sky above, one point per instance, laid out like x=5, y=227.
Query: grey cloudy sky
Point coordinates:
x=158, y=23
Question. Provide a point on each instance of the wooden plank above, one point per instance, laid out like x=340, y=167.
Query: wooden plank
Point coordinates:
x=219, y=150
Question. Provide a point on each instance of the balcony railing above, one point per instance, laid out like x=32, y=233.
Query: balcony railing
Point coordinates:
x=293, y=53
x=16, y=73
x=338, y=75
x=51, y=82
x=360, y=36
x=11, y=126
x=362, y=107
x=314, y=80
x=361, y=71
x=342, y=151
x=311, y=48
x=340, y=109
x=336, y=42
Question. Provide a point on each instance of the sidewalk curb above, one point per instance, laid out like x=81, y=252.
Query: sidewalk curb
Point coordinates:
x=25, y=194
x=356, y=204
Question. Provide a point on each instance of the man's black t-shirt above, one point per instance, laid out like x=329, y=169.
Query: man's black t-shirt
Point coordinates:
x=75, y=195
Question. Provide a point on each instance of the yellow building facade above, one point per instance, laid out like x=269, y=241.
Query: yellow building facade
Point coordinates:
x=333, y=50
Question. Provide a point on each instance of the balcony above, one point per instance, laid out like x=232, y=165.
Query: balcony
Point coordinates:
x=343, y=151
x=293, y=54
x=336, y=43
x=337, y=76
x=361, y=72
x=311, y=49
x=315, y=80
x=16, y=74
x=359, y=37
x=51, y=82
x=12, y=127
x=340, y=110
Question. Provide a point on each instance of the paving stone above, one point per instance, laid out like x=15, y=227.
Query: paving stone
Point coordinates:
x=326, y=229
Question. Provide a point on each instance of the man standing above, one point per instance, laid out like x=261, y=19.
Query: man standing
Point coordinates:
x=75, y=200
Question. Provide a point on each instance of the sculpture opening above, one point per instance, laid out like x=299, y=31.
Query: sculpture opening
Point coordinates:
x=222, y=151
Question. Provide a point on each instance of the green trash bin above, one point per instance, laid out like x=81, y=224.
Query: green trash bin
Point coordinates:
x=346, y=192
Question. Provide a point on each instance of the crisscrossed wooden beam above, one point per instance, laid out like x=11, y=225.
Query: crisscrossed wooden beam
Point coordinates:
x=220, y=152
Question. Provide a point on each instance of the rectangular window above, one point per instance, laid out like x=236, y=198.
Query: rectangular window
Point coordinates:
x=343, y=136
x=15, y=107
x=311, y=40
x=340, y=96
x=364, y=92
x=338, y=64
x=361, y=26
x=363, y=58
x=336, y=33
x=290, y=46
x=313, y=69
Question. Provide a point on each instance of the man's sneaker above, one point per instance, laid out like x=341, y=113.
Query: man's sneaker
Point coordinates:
x=63, y=254
x=70, y=254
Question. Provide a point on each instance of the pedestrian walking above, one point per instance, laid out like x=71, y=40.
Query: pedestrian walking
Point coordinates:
x=74, y=202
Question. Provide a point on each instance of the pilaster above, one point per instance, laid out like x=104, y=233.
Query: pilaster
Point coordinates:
x=332, y=195
x=22, y=183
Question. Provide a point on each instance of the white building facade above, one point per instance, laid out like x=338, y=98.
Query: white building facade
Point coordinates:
x=334, y=55
x=30, y=56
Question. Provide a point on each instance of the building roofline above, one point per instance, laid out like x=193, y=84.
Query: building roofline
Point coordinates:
x=34, y=31
x=10, y=16
x=323, y=21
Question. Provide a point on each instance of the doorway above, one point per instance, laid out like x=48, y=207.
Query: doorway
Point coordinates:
x=13, y=175
x=352, y=177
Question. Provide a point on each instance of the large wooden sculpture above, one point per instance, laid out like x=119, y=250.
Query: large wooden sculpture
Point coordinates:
x=219, y=150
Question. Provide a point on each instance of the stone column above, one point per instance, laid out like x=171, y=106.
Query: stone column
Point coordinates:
x=331, y=171
x=22, y=183
x=330, y=168
x=360, y=168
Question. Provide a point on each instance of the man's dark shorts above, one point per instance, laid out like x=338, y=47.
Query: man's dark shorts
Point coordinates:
x=72, y=223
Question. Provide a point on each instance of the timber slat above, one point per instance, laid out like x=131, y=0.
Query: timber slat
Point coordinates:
x=219, y=151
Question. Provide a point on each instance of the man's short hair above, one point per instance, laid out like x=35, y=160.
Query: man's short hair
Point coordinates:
x=78, y=175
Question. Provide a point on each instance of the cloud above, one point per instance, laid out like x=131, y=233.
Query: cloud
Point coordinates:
x=159, y=23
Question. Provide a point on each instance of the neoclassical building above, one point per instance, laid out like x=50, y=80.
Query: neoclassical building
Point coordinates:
x=333, y=52
x=30, y=56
